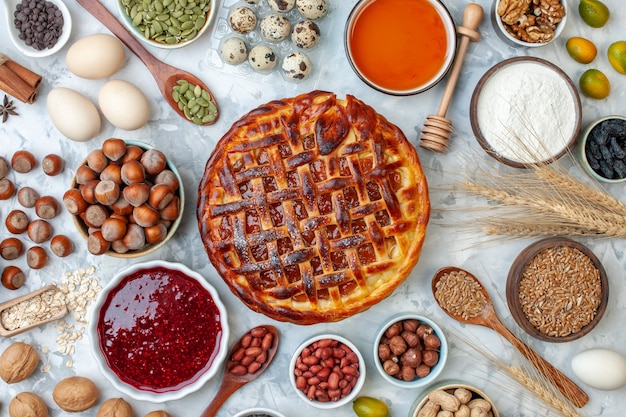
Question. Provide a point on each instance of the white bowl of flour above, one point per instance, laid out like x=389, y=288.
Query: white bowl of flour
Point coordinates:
x=525, y=111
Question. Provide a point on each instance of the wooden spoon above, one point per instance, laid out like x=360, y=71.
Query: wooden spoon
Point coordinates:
x=231, y=383
x=489, y=318
x=55, y=312
x=166, y=76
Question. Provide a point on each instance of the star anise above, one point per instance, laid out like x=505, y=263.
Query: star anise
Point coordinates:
x=7, y=109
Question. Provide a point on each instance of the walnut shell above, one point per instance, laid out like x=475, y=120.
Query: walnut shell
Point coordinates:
x=115, y=407
x=75, y=393
x=27, y=404
x=158, y=413
x=18, y=362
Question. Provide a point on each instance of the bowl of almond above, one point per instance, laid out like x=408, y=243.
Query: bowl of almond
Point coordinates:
x=126, y=199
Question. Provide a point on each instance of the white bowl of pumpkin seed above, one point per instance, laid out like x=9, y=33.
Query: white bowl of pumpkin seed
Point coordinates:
x=167, y=24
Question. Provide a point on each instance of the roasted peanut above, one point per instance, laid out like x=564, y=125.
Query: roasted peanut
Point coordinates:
x=446, y=401
x=251, y=354
x=479, y=403
x=464, y=395
x=430, y=409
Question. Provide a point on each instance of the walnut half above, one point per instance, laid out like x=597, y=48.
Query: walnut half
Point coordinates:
x=532, y=21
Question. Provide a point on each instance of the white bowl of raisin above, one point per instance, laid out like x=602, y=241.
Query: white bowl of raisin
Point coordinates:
x=410, y=350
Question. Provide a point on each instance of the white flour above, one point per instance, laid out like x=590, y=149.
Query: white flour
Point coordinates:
x=526, y=112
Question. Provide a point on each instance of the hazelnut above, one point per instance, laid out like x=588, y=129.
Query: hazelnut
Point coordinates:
x=4, y=168
x=391, y=367
x=410, y=325
x=171, y=211
x=95, y=215
x=61, y=245
x=135, y=237
x=27, y=404
x=107, y=192
x=84, y=174
x=18, y=362
x=97, y=160
x=424, y=330
x=412, y=357
x=39, y=231
x=167, y=177
x=52, y=164
x=12, y=277
x=384, y=352
x=153, y=161
x=88, y=191
x=121, y=206
x=115, y=407
x=96, y=243
x=160, y=196
x=145, y=216
x=394, y=329
x=113, y=228
x=36, y=257
x=27, y=196
x=133, y=153
x=432, y=342
x=411, y=339
x=75, y=394
x=74, y=201
x=133, y=172
x=11, y=248
x=397, y=345
x=113, y=173
x=119, y=247
x=422, y=371
x=114, y=148
x=156, y=233
x=46, y=207
x=16, y=222
x=7, y=189
x=23, y=161
x=407, y=373
x=158, y=413
x=136, y=194
x=430, y=357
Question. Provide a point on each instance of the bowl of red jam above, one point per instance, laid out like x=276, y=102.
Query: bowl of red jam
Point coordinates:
x=158, y=331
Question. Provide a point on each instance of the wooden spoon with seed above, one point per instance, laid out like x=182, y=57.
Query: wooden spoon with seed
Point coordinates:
x=231, y=382
x=166, y=76
x=487, y=317
x=56, y=313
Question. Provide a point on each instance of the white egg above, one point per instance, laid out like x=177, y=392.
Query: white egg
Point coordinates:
x=73, y=114
x=600, y=368
x=124, y=105
x=95, y=56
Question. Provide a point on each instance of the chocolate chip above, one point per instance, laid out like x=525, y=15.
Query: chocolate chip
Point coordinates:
x=39, y=22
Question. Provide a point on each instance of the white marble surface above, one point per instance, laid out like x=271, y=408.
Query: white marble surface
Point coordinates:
x=189, y=147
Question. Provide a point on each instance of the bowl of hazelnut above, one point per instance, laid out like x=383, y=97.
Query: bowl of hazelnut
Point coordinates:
x=327, y=371
x=410, y=350
x=126, y=199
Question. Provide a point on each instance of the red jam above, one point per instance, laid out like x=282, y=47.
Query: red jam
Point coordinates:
x=159, y=330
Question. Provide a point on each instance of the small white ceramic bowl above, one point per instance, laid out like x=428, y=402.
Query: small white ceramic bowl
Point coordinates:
x=369, y=70
x=435, y=369
x=117, y=283
x=516, y=41
x=328, y=404
x=128, y=22
x=10, y=6
x=259, y=411
x=583, y=146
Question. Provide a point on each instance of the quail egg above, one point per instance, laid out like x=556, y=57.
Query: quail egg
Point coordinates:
x=305, y=34
x=297, y=66
x=275, y=27
x=262, y=58
x=234, y=51
x=312, y=9
x=242, y=20
x=282, y=6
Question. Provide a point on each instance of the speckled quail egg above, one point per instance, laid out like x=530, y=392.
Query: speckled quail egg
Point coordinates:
x=275, y=27
x=282, y=6
x=312, y=9
x=242, y=20
x=262, y=58
x=297, y=66
x=234, y=51
x=305, y=34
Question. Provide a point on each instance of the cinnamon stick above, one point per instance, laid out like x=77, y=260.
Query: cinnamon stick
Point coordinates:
x=17, y=80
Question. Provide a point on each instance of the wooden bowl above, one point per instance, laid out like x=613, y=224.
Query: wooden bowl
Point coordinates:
x=515, y=278
x=449, y=386
x=515, y=131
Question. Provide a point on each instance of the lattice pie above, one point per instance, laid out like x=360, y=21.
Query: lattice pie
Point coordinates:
x=313, y=208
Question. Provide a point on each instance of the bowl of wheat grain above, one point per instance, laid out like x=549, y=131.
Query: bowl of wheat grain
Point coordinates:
x=557, y=290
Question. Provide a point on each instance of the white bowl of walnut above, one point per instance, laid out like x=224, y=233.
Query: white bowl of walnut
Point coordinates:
x=530, y=25
x=410, y=350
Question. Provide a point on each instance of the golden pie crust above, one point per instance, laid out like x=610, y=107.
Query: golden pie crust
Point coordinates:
x=313, y=208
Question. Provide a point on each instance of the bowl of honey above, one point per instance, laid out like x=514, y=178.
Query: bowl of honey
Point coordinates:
x=400, y=47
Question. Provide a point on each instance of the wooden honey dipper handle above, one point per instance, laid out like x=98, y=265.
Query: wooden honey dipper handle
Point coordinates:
x=437, y=141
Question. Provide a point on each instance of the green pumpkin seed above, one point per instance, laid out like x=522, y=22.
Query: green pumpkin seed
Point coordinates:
x=191, y=101
x=137, y=19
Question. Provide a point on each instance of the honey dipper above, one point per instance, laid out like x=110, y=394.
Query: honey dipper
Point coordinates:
x=437, y=128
